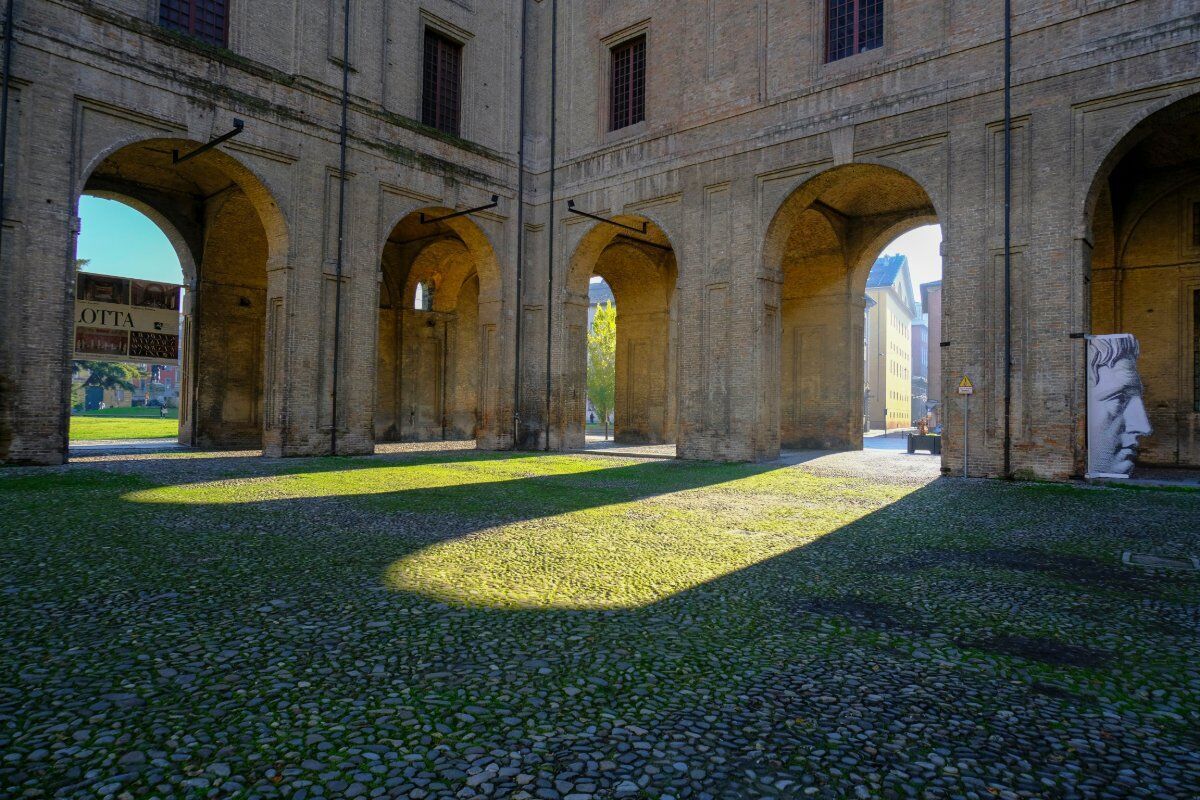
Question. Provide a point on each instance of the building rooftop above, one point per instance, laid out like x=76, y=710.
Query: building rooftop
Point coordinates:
x=885, y=270
x=600, y=293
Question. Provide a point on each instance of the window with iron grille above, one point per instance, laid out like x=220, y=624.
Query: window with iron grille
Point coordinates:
x=852, y=26
x=441, y=98
x=206, y=20
x=627, y=99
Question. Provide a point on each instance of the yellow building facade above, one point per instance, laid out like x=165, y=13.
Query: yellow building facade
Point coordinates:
x=889, y=344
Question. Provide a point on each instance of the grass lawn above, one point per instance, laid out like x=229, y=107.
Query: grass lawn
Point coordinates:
x=526, y=625
x=130, y=411
x=124, y=423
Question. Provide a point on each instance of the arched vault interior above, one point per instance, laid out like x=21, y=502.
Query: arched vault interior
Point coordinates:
x=1145, y=273
x=213, y=211
x=641, y=271
x=433, y=376
x=820, y=248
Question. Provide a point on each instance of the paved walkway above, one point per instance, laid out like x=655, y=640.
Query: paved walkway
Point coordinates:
x=583, y=628
x=601, y=446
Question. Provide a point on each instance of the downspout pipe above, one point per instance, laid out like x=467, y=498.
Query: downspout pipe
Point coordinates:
x=517, y=382
x=1007, y=238
x=550, y=237
x=6, y=81
x=341, y=230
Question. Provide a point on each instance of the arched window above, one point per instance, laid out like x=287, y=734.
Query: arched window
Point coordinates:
x=423, y=297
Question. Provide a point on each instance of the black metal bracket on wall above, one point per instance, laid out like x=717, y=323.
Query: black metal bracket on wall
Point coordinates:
x=430, y=220
x=642, y=230
x=238, y=127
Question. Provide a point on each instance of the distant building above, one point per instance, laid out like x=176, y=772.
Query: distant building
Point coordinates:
x=920, y=347
x=890, y=325
x=931, y=301
x=868, y=304
x=920, y=364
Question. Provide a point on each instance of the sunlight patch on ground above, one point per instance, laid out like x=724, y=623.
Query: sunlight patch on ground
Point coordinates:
x=561, y=532
x=619, y=557
x=364, y=478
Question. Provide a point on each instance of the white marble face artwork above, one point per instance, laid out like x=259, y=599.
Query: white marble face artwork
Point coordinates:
x=1116, y=413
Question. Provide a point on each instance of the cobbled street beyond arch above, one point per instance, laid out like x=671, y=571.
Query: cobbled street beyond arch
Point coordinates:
x=430, y=624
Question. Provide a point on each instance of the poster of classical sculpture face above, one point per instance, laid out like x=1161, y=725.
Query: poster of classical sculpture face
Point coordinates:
x=1116, y=412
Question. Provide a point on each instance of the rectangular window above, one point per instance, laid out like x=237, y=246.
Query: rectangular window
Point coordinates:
x=852, y=26
x=441, y=97
x=628, y=96
x=206, y=20
x=1196, y=223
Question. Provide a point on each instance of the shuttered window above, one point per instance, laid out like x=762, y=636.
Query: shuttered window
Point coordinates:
x=628, y=95
x=206, y=20
x=852, y=26
x=441, y=97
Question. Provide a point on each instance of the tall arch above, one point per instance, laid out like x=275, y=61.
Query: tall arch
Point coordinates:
x=436, y=364
x=819, y=250
x=230, y=233
x=641, y=270
x=1141, y=217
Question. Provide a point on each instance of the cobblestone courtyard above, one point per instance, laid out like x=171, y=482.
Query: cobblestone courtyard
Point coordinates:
x=464, y=624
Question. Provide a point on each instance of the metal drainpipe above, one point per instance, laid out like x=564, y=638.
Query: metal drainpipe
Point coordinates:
x=517, y=384
x=341, y=237
x=8, y=46
x=1007, y=238
x=550, y=237
x=445, y=360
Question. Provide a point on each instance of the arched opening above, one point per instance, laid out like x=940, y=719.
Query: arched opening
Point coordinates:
x=640, y=271
x=132, y=396
x=226, y=231
x=901, y=344
x=1145, y=281
x=438, y=316
x=845, y=314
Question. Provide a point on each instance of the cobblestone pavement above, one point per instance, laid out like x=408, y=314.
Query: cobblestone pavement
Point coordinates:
x=439, y=622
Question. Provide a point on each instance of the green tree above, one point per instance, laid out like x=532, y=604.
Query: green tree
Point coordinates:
x=108, y=374
x=602, y=361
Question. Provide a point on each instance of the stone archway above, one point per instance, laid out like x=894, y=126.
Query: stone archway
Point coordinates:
x=641, y=270
x=230, y=234
x=436, y=360
x=820, y=248
x=1142, y=270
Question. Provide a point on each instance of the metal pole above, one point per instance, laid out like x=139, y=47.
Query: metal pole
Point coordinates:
x=550, y=237
x=1007, y=238
x=517, y=383
x=966, y=416
x=341, y=243
x=8, y=47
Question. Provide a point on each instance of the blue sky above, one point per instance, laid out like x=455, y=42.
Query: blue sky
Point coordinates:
x=923, y=247
x=121, y=241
